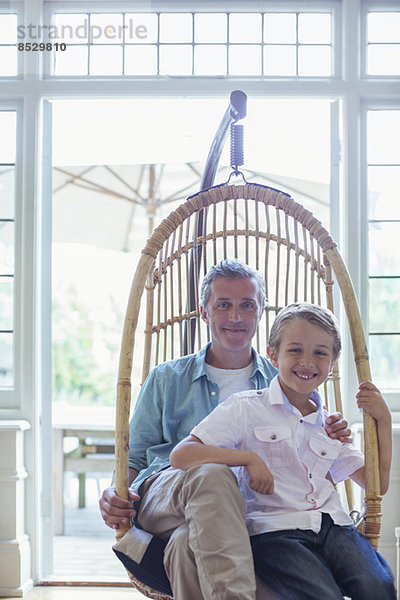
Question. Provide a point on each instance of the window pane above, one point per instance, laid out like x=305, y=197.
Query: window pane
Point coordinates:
x=72, y=62
x=383, y=136
x=141, y=28
x=384, y=314
x=245, y=60
x=8, y=29
x=6, y=360
x=106, y=60
x=141, y=60
x=7, y=136
x=6, y=248
x=384, y=255
x=7, y=189
x=279, y=60
x=175, y=27
x=210, y=27
x=6, y=303
x=384, y=59
x=314, y=28
x=106, y=29
x=280, y=28
x=176, y=60
x=210, y=60
x=315, y=61
x=384, y=27
x=72, y=28
x=383, y=192
x=384, y=355
x=8, y=61
x=279, y=31
x=7, y=192
x=245, y=27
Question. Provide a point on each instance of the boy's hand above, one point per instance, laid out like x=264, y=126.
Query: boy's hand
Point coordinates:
x=261, y=478
x=371, y=400
x=337, y=428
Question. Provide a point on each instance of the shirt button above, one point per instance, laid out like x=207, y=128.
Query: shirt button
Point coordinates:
x=310, y=476
x=323, y=453
x=273, y=436
x=301, y=421
x=259, y=393
x=213, y=393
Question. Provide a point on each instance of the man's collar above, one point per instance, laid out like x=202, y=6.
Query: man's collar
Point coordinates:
x=257, y=365
x=200, y=363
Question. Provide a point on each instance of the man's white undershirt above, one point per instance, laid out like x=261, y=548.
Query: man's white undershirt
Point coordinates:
x=230, y=381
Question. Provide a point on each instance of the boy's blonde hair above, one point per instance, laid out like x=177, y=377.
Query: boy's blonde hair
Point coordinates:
x=313, y=313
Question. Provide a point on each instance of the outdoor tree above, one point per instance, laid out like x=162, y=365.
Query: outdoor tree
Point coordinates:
x=85, y=349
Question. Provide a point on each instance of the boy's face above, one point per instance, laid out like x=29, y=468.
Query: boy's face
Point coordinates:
x=304, y=358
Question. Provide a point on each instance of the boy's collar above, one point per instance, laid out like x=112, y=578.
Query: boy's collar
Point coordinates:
x=314, y=417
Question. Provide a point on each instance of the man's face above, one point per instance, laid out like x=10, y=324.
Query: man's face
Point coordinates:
x=233, y=312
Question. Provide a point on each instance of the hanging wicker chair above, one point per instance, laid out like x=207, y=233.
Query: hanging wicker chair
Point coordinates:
x=268, y=230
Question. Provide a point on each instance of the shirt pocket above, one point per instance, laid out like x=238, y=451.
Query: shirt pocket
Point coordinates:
x=323, y=454
x=273, y=443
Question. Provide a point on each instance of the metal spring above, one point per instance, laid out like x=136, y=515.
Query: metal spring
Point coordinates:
x=237, y=147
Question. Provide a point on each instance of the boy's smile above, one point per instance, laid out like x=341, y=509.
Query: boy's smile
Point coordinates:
x=305, y=376
x=304, y=359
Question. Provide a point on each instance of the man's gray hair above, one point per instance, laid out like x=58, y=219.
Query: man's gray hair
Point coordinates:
x=232, y=268
x=313, y=313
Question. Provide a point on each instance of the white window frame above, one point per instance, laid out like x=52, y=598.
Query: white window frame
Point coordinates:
x=392, y=396
x=13, y=8
x=312, y=6
x=31, y=91
x=373, y=6
x=9, y=396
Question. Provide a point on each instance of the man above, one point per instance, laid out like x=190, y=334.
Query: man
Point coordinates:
x=193, y=508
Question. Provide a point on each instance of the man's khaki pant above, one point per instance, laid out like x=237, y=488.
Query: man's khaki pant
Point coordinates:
x=202, y=512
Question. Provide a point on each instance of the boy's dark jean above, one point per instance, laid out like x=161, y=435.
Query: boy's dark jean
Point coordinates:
x=338, y=561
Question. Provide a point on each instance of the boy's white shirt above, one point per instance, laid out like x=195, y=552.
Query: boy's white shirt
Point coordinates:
x=297, y=451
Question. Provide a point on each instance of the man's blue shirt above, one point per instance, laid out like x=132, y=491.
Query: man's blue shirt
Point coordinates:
x=175, y=397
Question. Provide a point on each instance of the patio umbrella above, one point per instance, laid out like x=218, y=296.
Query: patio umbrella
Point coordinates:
x=117, y=206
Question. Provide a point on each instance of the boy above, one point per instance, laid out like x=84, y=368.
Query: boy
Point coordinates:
x=304, y=545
